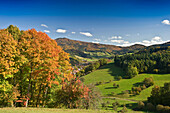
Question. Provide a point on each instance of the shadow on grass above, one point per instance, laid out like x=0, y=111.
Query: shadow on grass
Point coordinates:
x=138, y=84
x=113, y=70
x=110, y=87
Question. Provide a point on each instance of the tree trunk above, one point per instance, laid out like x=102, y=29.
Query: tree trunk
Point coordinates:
x=37, y=103
x=44, y=101
x=28, y=90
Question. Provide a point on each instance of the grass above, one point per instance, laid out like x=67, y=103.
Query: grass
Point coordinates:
x=105, y=73
x=54, y=110
x=108, y=72
x=50, y=110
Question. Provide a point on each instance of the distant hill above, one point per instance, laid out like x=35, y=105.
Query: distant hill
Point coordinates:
x=83, y=51
x=80, y=46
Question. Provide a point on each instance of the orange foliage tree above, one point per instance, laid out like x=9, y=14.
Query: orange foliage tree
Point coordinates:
x=8, y=53
x=32, y=67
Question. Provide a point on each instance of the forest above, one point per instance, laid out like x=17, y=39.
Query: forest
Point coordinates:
x=152, y=60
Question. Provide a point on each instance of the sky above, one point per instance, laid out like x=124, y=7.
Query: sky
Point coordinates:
x=115, y=22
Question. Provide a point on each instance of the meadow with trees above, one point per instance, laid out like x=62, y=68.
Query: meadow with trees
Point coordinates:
x=36, y=73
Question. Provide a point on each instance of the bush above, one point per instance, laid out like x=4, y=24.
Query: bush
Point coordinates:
x=148, y=82
x=124, y=109
x=141, y=105
x=114, y=106
x=159, y=108
x=150, y=107
x=117, y=103
x=118, y=78
x=166, y=109
x=103, y=105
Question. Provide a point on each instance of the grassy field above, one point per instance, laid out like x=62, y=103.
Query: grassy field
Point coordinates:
x=50, y=110
x=105, y=73
x=108, y=72
x=54, y=110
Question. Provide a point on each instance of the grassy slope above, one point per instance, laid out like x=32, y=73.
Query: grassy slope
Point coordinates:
x=105, y=73
x=108, y=72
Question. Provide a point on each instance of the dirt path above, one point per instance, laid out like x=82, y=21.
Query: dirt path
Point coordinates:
x=131, y=100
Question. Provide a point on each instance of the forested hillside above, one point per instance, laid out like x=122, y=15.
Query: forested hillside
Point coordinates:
x=150, y=60
x=88, y=49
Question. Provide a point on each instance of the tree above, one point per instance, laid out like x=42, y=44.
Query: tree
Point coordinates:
x=148, y=82
x=160, y=95
x=46, y=63
x=131, y=71
x=8, y=53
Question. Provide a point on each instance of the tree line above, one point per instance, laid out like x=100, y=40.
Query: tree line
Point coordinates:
x=151, y=60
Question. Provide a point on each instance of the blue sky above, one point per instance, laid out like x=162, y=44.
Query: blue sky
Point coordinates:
x=117, y=22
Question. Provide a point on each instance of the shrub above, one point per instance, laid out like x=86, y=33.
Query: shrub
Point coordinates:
x=117, y=103
x=141, y=105
x=112, y=93
x=124, y=109
x=150, y=107
x=103, y=105
x=159, y=108
x=118, y=77
x=166, y=109
x=108, y=102
x=114, y=106
x=114, y=84
x=148, y=82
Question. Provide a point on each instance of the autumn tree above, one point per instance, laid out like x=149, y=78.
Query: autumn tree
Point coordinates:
x=8, y=53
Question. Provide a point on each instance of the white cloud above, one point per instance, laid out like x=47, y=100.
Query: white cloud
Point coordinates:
x=155, y=40
x=44, y=25
x=119, y=41
x=73, y=32
x=167, y=22
x=61, y=30
x=86, y=34
x=116, y=37
x=46, y=31
x=126, y=42
x=146, y=41
x=95, y=42
x=97, y=39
